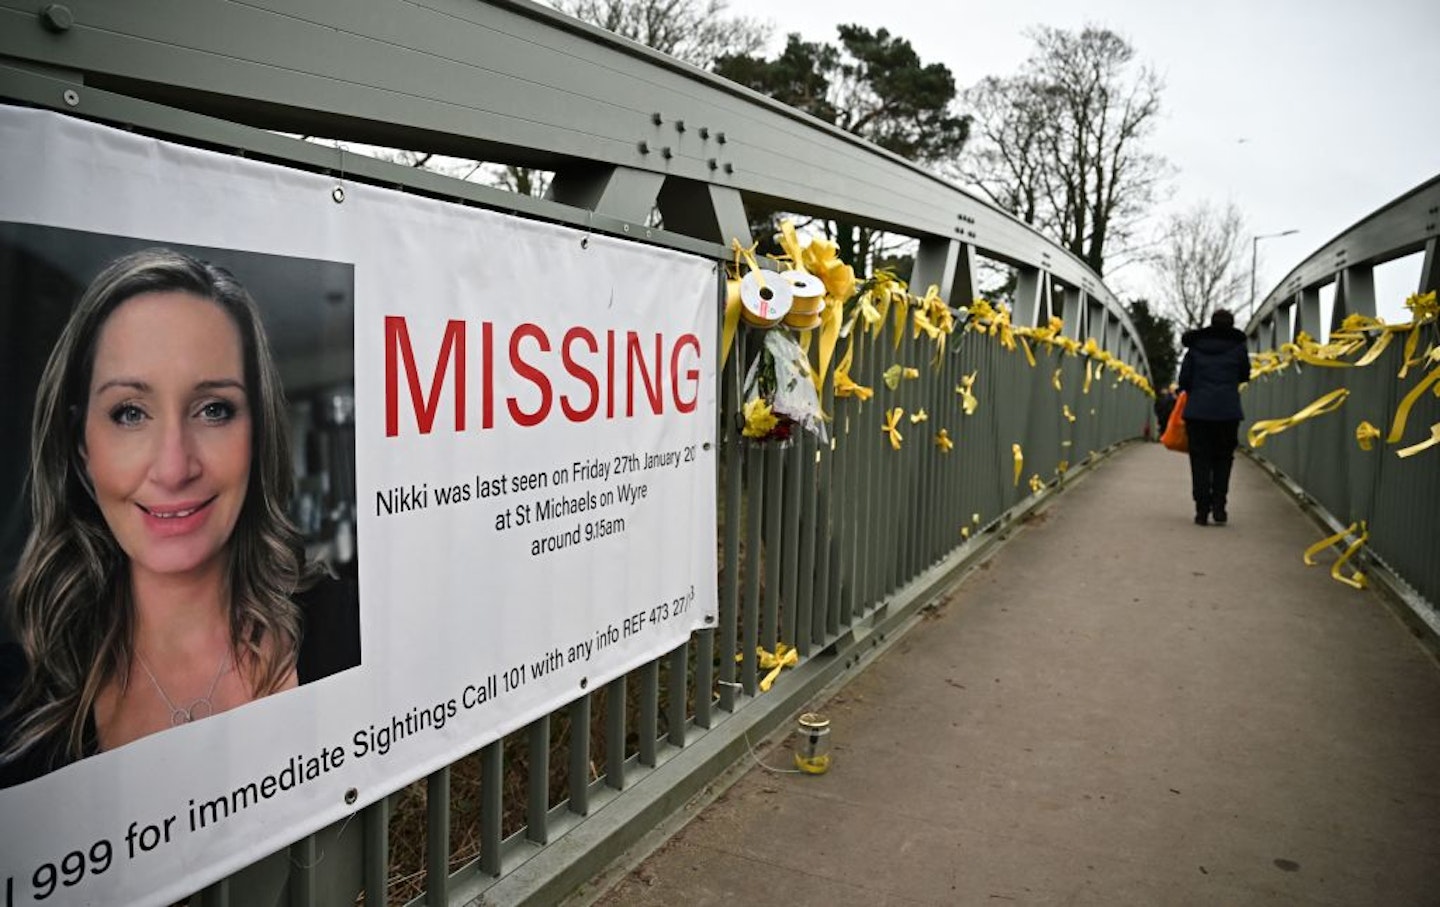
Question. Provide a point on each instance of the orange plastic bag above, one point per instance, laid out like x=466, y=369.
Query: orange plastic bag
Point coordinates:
x=1175, y=438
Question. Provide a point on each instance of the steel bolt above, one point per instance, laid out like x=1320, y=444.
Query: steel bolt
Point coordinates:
x=57, y=18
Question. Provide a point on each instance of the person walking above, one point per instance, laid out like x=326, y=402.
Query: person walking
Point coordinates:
x=1216, y=364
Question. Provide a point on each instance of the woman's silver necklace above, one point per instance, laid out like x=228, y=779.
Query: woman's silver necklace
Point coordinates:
x=200, y=708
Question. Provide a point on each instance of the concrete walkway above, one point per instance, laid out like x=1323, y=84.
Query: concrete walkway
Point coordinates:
x=1119, y=708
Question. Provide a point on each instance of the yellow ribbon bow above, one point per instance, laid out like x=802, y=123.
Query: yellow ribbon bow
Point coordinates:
x=942, y=441
x=966, y=389
x=1036, y=484
x=783, y=657
x=1264, y=428
x=895, y=373
x=892, y=421
x=919, y=416
x=1065, y=410
x=1365, y=435
x=1357, y=579
x=1019, y=462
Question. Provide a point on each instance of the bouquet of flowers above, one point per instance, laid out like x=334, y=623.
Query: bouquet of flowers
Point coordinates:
x=780, y=393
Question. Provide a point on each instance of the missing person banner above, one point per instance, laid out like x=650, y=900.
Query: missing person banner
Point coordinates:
x=310, y=488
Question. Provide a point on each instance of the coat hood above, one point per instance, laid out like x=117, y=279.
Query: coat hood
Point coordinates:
x=1212, y=339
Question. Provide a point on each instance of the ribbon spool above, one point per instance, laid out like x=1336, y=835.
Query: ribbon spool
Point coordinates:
x=764, y=302
x=809, y=302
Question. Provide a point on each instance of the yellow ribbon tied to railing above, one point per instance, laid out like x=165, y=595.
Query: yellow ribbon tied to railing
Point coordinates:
x=1065, y=410
x=1019, y=456
x=1402, y=412
x=1089, y=366
x=733, y=306
x=1429, y=442
x=1264, y=428
x=1055, y=380
x=897, y=373
x=891, y=426
x=966, y=390
x=1365, y=435
x=919, y=416
x=1037, y=484
x=845, y=386
x=784, y=656
x=942, y=441
x=1356, y=579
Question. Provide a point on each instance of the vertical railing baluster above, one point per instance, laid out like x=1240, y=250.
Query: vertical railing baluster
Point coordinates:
x=678, y=687
x=492, y=806
x=773, y=503
x=615, y=733
x=537, y=804
x=750, y=608
x=796, y=470
x=649, y=719
x=437, y=838
x=302, y=872
x=705, y=676
x=377, y=852
x=735, y=456
x=580, y=756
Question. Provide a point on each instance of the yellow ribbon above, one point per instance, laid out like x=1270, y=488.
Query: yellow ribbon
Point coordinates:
x=732, y=296
x=1036, y=484
x=1355, y=580
x=1264, y=428
x=844, y=385
x=1365, y=435
x=966, y=389
x=1019, y=462
x=1429, y=442
x=890, y=428
x=919, y=416
x=783, y=657
x=1069, y=416
x=964, y=532
x=1055, y=380
x=821, y=257
x=1088, y=366
x=942, y=441
x=1029, y=354
x=1402, y=412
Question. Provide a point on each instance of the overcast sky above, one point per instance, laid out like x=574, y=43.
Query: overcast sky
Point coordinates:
x=1307, y=115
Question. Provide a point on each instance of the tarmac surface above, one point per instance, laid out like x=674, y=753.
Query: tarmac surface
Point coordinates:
x=1120, y=707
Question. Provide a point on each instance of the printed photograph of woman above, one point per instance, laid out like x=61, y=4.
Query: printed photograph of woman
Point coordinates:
x=163, y=579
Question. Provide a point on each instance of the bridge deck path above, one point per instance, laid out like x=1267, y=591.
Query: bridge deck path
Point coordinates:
x=1120, y=707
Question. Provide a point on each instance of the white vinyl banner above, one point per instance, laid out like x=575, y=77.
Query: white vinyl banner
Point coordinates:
x=503, y=447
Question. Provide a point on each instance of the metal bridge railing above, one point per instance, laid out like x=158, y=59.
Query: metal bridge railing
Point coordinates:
x=830, y=548
x=1372, y=488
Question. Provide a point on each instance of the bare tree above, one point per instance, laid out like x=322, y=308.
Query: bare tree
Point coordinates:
x=695, y=31
x=1062, y=144
x=1202, y=264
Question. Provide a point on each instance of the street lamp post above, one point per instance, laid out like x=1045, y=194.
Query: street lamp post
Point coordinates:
x=1254, y=260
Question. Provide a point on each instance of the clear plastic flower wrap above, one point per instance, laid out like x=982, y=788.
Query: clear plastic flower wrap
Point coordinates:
x=780, y=392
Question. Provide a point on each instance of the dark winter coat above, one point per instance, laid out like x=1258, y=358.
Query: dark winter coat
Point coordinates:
x=1216, y=364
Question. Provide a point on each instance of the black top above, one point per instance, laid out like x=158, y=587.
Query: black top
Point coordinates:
x=329, y=644
x=1215, y=366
